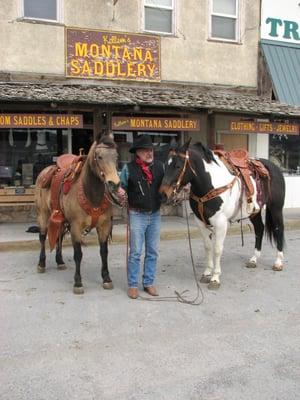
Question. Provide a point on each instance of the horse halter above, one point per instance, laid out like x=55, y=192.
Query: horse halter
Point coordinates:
x=187, y=163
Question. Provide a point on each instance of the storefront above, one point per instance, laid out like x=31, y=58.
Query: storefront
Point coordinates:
x=165, y=131
x=258, y=135
x=276, y=141
x=280, y=52
x=31, y=141
x=168, y=113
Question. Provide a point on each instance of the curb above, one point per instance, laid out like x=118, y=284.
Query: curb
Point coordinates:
x=120, y=238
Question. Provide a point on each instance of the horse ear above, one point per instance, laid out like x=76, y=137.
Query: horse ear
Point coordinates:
x=110, y=134
x=104, y=135
x=186, y=145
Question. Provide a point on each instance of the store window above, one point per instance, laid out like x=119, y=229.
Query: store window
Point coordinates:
x=124, y=142
x=25, y=152
x=284, y=151
x=159, y=16
x=224, y=20
x=48, y=10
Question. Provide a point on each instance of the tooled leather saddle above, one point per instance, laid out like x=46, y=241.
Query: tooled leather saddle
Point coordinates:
x=239, y=163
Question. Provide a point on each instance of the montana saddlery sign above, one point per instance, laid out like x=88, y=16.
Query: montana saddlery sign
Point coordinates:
x=155, y=124
x=98, y=54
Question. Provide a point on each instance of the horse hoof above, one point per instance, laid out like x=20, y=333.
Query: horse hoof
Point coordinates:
x=40, y=269
x=78, y=290
x=213, y=285
x=205, y=278
x=61, y=267
x=251, y=264
x=108, y=285
x=277, y=267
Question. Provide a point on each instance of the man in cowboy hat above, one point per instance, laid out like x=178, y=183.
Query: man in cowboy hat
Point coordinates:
x=141, y=179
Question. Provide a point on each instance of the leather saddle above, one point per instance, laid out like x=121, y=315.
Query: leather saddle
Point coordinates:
x=239, y=163
x=59, y=178
x=64, y=162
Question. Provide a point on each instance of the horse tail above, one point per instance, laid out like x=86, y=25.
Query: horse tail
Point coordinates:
x=274, y=225
x=269, y=226
x=274, y=228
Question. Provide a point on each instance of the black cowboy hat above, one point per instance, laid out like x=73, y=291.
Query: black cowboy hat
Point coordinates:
x=141, y=142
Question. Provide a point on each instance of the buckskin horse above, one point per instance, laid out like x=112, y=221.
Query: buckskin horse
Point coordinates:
x=77, y=194
x=227, y=187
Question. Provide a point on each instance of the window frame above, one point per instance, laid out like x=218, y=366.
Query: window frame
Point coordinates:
x=59, y=13
x=172, y=9
x=236, y=17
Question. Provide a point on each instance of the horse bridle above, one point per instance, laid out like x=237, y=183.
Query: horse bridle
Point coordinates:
x=187, y=163
x=96, y=161
x=208, y=196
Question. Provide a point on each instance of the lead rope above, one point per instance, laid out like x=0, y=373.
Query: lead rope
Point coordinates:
x=180, y=297
x=241, y=207
x=127, y=242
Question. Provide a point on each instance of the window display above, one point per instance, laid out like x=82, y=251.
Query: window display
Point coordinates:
x=25, y=152
x=284, y=151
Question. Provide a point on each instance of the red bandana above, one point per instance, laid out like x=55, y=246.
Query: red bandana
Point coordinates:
x=145, y=168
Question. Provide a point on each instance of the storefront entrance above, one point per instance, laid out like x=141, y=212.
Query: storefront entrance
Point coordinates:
x=161, y=142
x=164, y=132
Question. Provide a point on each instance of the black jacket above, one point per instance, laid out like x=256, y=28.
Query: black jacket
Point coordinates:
x=141, y=195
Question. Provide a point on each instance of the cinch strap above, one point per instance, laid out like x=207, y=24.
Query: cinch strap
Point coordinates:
x=209, y=196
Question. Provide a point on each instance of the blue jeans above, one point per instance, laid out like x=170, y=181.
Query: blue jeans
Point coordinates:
x=144, y=228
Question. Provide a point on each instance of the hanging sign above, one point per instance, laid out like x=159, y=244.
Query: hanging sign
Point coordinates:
x=274, y=128
x=112, y=55
x=155, y=124
x=41, y=121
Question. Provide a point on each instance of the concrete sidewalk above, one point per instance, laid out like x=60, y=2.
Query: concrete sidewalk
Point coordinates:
x=13, y=236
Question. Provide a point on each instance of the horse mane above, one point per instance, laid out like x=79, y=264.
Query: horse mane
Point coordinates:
x=205, y=152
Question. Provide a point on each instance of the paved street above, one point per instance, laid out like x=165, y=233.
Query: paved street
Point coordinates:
x=242, y=343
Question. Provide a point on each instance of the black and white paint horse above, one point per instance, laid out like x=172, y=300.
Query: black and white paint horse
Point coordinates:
x=218, y=197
